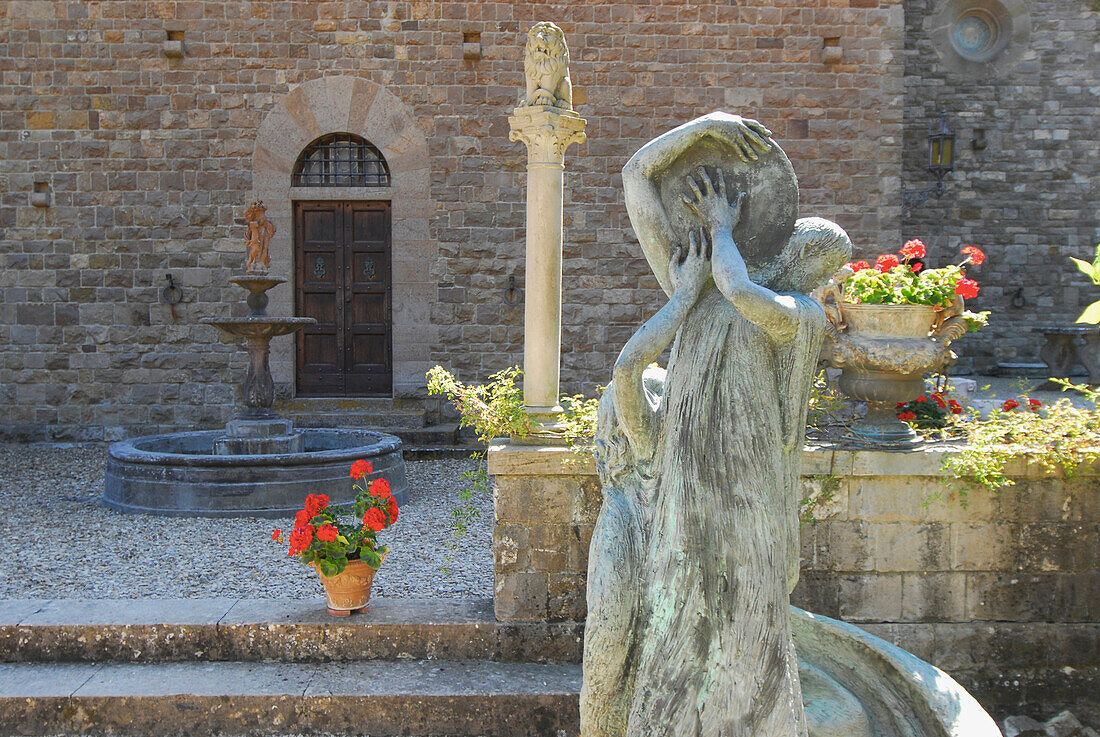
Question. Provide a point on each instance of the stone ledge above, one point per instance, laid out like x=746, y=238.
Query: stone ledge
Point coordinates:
x=436, y=697
x=506, y=458
x=266, y=629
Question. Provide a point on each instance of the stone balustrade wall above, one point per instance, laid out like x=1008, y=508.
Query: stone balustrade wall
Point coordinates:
x=1002, y=591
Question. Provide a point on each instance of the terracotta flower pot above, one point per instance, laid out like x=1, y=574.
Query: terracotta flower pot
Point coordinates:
x=349, y=591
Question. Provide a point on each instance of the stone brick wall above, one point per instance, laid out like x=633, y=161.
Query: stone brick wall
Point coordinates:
x=545, y=506
x=1029, y=197
x=148, y=163
x=663, y=64
x=1003, y=593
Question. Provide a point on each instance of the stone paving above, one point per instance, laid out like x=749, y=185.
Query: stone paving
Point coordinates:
x=65, y=543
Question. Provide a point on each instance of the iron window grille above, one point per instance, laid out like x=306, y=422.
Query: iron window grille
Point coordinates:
x=341, y=160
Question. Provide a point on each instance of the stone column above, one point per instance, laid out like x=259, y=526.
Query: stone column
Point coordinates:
x=547, y=132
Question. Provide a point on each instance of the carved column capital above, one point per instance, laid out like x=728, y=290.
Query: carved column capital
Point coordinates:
x=547, y=132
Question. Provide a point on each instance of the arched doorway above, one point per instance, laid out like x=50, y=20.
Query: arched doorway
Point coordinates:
x=324, y=111
x=342, y=257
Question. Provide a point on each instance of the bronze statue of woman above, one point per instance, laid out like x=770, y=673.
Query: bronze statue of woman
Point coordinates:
x=696, y=549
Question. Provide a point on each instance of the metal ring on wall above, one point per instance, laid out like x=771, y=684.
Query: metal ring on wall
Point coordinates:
x=513, y=295
x=171, y=294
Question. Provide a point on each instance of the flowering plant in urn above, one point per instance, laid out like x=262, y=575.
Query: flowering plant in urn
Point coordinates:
x=892, y=322
x=905, y=281
x=345, y=552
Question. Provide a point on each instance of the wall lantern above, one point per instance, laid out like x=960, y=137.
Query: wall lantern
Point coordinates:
x=941, y=162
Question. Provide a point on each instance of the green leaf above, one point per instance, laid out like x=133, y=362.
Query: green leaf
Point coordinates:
x=371, y=558
x=327, y=567
x=1091, y=314
x=1085, y=268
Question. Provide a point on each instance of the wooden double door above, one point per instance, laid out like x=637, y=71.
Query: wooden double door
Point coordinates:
x=342, y=253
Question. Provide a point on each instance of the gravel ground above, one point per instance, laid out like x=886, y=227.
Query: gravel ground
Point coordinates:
x=61, y=543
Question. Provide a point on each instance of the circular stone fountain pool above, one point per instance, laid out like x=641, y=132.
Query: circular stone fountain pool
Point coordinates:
x=179, y=474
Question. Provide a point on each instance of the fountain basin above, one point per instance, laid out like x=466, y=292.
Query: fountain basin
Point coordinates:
x=858, y=685
x=180, y=475
x=258, y=328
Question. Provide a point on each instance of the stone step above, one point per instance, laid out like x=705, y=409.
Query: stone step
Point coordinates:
x=299, y=630
x=381, y=413
x=437, y=452
x=413, y=697
x=384, y=421
x=306, y=405
x=432, y=435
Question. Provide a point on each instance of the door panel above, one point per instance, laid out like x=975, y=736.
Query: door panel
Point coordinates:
x=319, y=235
x=342, y=269
x=368, y=299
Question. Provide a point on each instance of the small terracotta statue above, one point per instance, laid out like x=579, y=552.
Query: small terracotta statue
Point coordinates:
x=260, y=230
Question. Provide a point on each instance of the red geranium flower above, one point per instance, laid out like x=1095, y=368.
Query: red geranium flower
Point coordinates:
x=315, y=503
x=974, y=254
x=913, y=249
x=858, y=265
x=966, y=288
x=375, y=519
x=303, y=518
x=886, y=261
x=1010, y=404
x=392, y=509
x=327, y=532
x=956, y=409
x=379, y=487
x=300, y=538
x=1034, y=405
x=922, y=398
x=907, y=416
x=916, y=267
x=276, y=534
x=938, y=398
x=361, y=468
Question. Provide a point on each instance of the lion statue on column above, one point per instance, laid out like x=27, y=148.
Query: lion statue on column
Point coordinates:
x=546, y=65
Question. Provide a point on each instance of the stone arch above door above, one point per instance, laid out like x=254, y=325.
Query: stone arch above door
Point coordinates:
x=359, y=106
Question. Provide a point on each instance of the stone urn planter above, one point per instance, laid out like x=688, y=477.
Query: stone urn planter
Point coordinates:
x=890, y=324
x=883, y=352
x=348, y=592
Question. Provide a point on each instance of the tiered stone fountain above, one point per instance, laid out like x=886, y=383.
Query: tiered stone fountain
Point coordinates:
x=260, y=465
x=259, y=429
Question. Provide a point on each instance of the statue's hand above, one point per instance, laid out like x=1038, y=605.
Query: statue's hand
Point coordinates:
x=748, y=137
x=688, y=271
x=709, y=202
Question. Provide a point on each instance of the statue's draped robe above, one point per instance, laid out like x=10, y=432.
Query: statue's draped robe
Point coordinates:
x=616, y=557
x=715, y=656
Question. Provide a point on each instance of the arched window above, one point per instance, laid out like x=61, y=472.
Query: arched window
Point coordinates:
x=340, y=160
